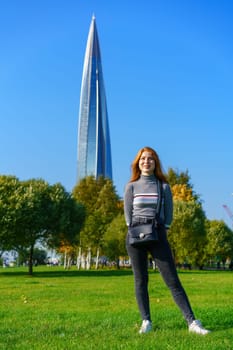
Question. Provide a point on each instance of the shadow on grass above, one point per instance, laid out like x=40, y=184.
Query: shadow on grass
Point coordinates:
x=66, y=273
x=56, y=272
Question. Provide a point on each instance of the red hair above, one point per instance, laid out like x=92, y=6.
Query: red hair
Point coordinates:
x=158, y=172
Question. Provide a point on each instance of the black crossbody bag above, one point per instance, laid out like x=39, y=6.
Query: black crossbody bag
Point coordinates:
x=144, y=233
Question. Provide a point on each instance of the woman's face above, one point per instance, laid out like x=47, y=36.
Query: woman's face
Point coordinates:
x=146, y=163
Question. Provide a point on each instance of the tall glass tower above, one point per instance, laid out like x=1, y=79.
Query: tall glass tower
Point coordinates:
x=94, y=148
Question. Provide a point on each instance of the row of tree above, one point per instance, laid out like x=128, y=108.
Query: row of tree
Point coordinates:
x=90, y=221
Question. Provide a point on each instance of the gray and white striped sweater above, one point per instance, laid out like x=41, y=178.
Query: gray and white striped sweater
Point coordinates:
x=141, y=199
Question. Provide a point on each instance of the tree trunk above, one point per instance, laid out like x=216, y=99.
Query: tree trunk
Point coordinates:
x=79, y=258
x=97, y=259
x=69, y=260
x=88, y=262
x=65, y=259
x=118, y=263
x=30, y=260
x=83, y=261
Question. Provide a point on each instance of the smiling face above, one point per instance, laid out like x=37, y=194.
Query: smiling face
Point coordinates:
x=146, y=163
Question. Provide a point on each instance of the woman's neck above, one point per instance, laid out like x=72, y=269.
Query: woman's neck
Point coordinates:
x=149, y=177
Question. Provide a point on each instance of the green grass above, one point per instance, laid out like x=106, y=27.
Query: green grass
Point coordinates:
x=57, y=309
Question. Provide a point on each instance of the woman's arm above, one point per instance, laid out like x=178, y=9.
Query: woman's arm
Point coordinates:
x=168, y=206
x=128, y=203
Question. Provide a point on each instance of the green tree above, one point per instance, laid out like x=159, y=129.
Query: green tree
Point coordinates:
x=187, y=234
x=181, y=180
x=102, y=204
x=33, y=211
x=9, y=188
x=219, y=241
x=87, y=191
x=114, y=239
x=178, y=178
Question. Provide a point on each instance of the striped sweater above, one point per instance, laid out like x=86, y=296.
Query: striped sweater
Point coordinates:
x=141, y=199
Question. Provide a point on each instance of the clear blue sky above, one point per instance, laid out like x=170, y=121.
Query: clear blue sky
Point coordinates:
x=168, y=71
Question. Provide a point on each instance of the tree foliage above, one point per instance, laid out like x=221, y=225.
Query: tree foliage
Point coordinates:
x=178, y=178
x=181, y=185
x=182, y=193
x=114, y=238
x=102, y=204
x=219, y=241
x=187, y=235
x=33, y=211
x=9, y=188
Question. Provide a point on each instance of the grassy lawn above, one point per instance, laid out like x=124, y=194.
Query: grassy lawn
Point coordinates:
x=57, y=309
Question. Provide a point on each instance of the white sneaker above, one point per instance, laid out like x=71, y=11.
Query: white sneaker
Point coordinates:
x=145, y=327
x=196, y=327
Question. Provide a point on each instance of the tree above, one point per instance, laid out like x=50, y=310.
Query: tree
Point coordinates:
x=179, y=182
x=178, y=178
x=33, y=211
x=187, y=234
x=181, y=192
x=102, y=204
x=114, y=239
x=87, y=191
x=9, y=187
x=219, y=241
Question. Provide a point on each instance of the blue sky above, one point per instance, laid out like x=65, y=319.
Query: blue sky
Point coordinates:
x=168, y=71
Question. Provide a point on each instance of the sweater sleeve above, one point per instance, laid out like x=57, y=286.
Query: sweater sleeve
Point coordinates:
x=168, y=206
x=128, y=203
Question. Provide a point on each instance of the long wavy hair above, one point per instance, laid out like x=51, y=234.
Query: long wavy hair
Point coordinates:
x=158, y=172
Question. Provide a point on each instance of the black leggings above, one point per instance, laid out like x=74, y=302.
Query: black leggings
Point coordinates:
x=162, y=255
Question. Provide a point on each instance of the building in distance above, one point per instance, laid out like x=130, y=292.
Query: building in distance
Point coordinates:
x=94, y=147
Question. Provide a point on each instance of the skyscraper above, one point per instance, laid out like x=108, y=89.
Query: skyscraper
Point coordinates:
x=94, y=148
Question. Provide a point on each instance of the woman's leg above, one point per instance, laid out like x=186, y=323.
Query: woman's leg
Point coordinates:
x=162, y=254
x=139, y=261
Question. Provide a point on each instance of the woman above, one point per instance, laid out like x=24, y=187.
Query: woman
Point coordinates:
x=141, y=200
